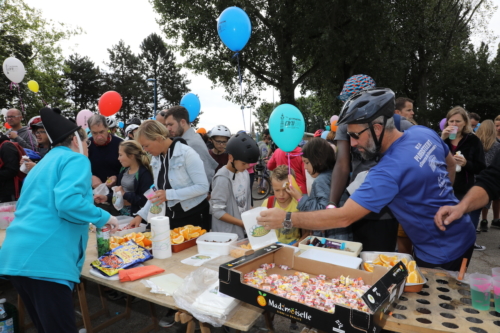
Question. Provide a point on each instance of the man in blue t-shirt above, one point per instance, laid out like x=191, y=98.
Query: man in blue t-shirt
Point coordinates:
x=413, y=178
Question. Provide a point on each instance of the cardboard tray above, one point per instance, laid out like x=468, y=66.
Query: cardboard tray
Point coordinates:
x=182, y=246
x=386, y=288
x=370, y=256
x=354, y=246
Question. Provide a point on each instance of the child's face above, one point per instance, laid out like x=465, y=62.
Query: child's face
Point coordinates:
x=123, y=158
x=309, y=167
x=220, y=143
x=240, y=166
x=279, y=188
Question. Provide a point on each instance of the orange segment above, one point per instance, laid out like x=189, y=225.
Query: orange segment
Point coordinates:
x=194, y=235
x=139, y=237
x=195, y=229
x=368, y=267
x=411, y=266
x=113, y=245
x=413, y=277
x=377, y=262
x=202, y=232
x=147, y=242
x=387, y=259
x=185, y=233
x=178, y=240
x=405, y=261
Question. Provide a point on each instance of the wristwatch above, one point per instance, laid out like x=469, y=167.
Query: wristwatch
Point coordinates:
x=287, y=223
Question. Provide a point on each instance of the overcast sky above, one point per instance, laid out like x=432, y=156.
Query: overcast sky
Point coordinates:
x=105, y=22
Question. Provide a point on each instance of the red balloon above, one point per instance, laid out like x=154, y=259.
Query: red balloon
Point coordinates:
x=7, y=126
x=110, y=103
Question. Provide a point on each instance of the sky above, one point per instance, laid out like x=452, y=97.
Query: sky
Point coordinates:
x=105, y=22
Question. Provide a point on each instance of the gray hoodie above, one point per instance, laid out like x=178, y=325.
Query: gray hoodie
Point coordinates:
x=223, y=201
x=26, y=139
x=195, y=141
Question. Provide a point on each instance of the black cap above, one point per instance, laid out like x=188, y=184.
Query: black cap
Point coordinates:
x=57, y=126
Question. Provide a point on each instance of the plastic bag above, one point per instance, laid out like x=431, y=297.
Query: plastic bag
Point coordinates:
x=156, y=210
x=117, y=199
x=195, y=284
x=101, y=190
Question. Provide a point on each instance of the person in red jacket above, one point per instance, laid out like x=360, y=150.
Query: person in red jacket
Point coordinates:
x=280, y=157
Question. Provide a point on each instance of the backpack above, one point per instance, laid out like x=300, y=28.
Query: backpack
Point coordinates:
x=19, y=178
x=270, y=202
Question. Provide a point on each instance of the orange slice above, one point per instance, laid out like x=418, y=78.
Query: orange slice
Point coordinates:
x=368, y=267
x=377, y=262
x=194, y=235
x=139, y=237
x=411, y=266
x=413, y=277
x=189, y=226
x=178, y=240
x=195, y=229
x=113, y=245
x=185, y=233
x=405, y=261
x=387, y=259
x=147, y=242
x=202, y=232
x=140, y=243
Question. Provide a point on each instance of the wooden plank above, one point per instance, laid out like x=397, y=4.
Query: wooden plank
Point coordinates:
x=443, y=305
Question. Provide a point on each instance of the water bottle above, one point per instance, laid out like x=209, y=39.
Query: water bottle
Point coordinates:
x=6, y=321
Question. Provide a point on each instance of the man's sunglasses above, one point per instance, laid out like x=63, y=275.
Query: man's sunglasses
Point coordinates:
x=356, y=136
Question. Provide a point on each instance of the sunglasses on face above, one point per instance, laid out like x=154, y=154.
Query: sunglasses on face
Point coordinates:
x=355, y=135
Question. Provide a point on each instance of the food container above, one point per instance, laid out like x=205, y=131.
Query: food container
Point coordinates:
x=182, y=246
x=123, y=221
x=353, y=246
x=236, y=251
x=216, y=243
x=369, y=257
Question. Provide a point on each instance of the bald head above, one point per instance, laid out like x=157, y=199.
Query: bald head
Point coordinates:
x=14, y=118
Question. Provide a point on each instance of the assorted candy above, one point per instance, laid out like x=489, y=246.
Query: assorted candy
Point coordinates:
x=318, y=292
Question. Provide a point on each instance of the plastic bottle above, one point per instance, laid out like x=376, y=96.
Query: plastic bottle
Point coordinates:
x=458, y=168
x=6, y=321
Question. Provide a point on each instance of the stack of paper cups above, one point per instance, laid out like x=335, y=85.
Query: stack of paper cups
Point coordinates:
x=160, y=232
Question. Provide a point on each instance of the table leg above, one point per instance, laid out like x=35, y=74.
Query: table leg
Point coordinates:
x=84, y=307
x=204, y=327
x=104, y=301
x=183, y=318
x=269, y=321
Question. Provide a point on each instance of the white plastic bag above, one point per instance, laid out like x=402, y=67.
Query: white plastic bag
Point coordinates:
x=101, y=190
x=117, y=198
x=195, y=284
x=156, y=210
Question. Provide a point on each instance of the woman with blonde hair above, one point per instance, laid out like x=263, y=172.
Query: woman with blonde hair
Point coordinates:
x=468, y=153
x=488, y=136
x=179, y=177
x=135, y=178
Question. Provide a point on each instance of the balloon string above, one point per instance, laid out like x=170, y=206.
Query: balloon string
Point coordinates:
x=241, y=89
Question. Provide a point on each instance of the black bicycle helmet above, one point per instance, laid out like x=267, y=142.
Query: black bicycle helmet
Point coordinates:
x=368, y=105
x=243, y=148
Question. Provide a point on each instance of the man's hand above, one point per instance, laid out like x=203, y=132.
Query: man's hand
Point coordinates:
x=446, y=215
x=100, y=198
x=272, y=218
x=135, y=222
x=112, y=223
x=13, y=135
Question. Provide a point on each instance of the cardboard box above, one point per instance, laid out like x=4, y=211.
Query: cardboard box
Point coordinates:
x=386, y=288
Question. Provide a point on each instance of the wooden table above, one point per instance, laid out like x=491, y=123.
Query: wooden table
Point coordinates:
x=443, y=305
x=242, y=319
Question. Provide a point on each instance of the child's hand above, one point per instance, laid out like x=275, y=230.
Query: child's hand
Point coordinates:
x=293, y=192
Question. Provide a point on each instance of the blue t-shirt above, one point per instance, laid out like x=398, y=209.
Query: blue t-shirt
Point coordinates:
x=412, y=179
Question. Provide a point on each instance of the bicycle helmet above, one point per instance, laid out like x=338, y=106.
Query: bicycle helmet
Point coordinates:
x=111, y=121
x=130, y=128
x=355, y=84
x=135, y=121
x=243, y=148
x=220, y=130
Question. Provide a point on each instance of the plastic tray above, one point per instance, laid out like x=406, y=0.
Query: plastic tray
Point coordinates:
x=182, y=246
x=236, y=251
x=221, y=248
x=354, y=246
x=369, y=257
x=140, y=228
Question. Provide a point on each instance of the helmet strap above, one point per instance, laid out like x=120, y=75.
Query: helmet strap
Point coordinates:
x=232, y=164
x=378, y=142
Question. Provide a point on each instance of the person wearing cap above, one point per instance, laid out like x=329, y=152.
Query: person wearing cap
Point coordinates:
x=377, y=232
x=177, y=123
x=130, y=131
x=44, y=248
x=112, y=125
x=413, y=178
x=231, y=186
x=219, y=136
x=19, y=133
x=42, y=139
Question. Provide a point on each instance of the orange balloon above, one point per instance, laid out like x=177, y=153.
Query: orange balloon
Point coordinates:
x=7, y=126
x=333, y=127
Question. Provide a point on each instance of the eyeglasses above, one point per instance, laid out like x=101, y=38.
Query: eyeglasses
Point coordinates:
x=220, y=142
x=40, y=132
x=88, y=142
x=356, y=136
x=11, y=117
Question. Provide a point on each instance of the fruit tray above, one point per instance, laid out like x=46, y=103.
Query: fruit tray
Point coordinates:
x=370, y=257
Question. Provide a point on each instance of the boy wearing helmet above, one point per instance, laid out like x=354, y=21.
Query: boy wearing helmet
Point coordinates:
x=219, y=135
x=231, y=186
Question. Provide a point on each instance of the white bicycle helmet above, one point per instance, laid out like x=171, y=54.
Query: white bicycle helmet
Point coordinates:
x=220, y=130
x=131, y=128
x=111, y=121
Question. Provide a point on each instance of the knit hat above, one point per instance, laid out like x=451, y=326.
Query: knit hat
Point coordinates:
x=57, y=126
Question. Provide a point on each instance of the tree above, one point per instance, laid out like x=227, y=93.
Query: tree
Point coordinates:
x=83, y=80
x=159, y=64
x=126, y=77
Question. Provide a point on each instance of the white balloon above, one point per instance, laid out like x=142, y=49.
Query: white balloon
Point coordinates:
x=4, y=112
x=13, y=68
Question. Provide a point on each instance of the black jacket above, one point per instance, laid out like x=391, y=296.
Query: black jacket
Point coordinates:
x=142, y=182
x=489, y=178
x=472, y=149
x=10, y=158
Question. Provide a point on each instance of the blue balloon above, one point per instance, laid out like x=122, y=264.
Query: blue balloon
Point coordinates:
x=234, y=28
x=324, y=134
x=287, y=126
x=192, y=104
x=121, y=124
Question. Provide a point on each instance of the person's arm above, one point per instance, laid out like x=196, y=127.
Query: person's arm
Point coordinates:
x=451, y=167
x=318, y=201
x=196, y=171
x=340, y=173
x=23, y=143
x=317, y=220
x=476, y=198
x=271, y=164
x=10, y=158
x=231, y=219
x=221, y=196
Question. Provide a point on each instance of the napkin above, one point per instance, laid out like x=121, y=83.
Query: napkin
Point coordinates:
x=137, y=273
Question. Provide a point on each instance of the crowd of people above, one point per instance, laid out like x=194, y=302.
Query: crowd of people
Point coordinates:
x=379, y=179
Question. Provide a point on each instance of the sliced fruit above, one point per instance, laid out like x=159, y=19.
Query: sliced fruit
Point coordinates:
x=368, y=267
x=413, y=277
x=178, y=240
x=377, y=262
x=147, y=242
x=202, y=232
x=173, y=233
x=387, y=259
x=176, y=230
x=195, y=229
x=405, y=261
x=411, y=266
x=113, y=245
x=189, y=226
x=185, y=233
x=140, y=243
x=194, y=235
x=138, y=237
x=392, y=263
x=148, y=234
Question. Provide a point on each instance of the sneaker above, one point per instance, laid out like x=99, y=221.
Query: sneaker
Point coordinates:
x=496, y=223
x=168, y=319
x=479, y=247
x=484, y=225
